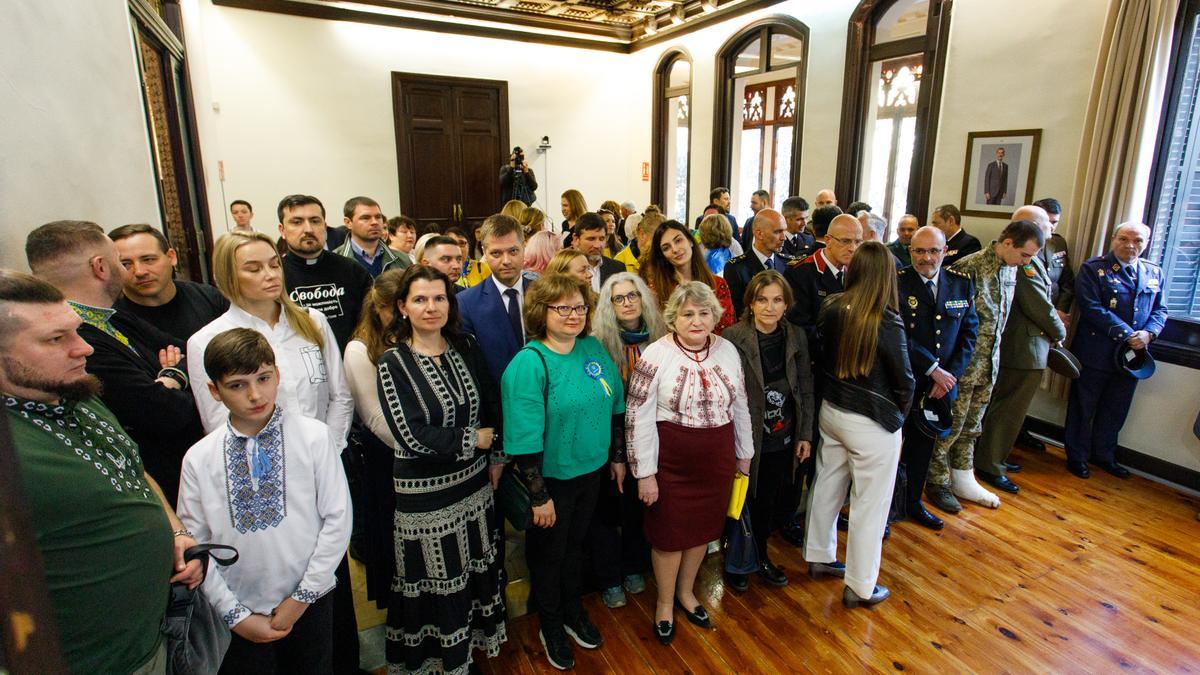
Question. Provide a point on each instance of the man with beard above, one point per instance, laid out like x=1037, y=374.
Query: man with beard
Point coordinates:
x=591, y=232
x=142, y=368
x=102, y=525
x=330, y=283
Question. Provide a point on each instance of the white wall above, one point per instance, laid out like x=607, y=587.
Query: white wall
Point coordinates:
x=73, y=138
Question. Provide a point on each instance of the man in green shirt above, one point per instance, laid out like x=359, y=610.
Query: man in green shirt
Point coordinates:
x=102, y=525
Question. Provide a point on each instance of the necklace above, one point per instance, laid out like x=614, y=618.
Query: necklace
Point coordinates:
x=693, y=355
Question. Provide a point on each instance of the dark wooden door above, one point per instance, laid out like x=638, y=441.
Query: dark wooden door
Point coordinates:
x=451, y=138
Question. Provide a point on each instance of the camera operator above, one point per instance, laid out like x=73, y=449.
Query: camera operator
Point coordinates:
x=516, y=179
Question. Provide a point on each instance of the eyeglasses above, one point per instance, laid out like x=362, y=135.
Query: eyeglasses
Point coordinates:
x=848, y=242
x=629, y=298
x=925, y=251
x=567, y=310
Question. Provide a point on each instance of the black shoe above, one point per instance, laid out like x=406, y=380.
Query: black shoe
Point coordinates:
x=584, y=632
x=921, y=516
x=664, y=631
x=697, y=615
x=851, y=600
x=942, y=498
x=843, y=522
x=793, y=533
x=999, y=482
x=772, y=574
x=737, y=582
x=1026, y=440
x=1114, y=468
x=1080, y=469
x=834, y=569
x=558, y=650
x=1012, y=468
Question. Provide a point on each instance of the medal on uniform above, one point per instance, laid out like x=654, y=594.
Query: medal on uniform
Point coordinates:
x=1112, y=304
x=912, y=301
x=1116, y=267
x=595, y=371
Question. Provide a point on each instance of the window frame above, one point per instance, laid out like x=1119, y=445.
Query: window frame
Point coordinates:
x=858, y=88
x=659, y=111
x=723, y=113
x=1179, y=342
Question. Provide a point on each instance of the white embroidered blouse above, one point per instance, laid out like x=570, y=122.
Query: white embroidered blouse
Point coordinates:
x=311, y=380
x=667, y=385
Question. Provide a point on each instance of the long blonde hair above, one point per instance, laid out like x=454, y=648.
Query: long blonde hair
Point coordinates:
x=870, y=288
x=226, y=277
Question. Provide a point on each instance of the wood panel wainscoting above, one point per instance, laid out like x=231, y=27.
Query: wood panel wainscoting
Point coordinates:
x=1067, y=576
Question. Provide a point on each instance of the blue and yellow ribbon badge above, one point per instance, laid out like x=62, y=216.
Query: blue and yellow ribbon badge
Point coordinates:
x=596, y=371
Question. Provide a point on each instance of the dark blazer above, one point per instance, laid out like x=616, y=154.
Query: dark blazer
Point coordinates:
x=995, y=181
x=939, y=330
x=960, y=246
x=609, y=267
x=1112, y=306
x=483, y=315
x=884, y=394
x=163, y=422
x=812, y=281
x=740, y=270
x=335, y=237
x=799, y=245
x=1056, y=258
x=1033, y=324
x=744, y=336
x=901, y=252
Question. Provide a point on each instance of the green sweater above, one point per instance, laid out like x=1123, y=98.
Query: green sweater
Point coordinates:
x=574, y=428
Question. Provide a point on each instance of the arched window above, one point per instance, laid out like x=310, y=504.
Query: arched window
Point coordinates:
x=672, y=138
x=895, y=61
x=759, y=108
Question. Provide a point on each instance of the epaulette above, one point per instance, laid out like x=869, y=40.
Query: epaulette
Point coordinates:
x=796, y=262
x=903, y=271
x=736, y=259
x=955, y=272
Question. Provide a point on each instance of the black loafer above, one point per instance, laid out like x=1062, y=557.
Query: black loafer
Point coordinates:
x=697, y=616
x=1012, y=468
x=1080, y=469
x=664, y=631
x=999, y=482
x=921, y=516
x=737, y=582
x=1026, y=440
x=772, y=574
x=1114, y=468
x=942, y=498
x=793, y=533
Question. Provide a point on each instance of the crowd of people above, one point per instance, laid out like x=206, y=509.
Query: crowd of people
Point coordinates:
x=384, y=388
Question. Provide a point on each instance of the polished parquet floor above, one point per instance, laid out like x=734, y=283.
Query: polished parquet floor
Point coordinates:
x=1090, y=576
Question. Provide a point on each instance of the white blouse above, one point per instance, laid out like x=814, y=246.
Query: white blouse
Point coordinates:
x=667, y=385
x=280, y=498
x=311, y=381
x=363, y=375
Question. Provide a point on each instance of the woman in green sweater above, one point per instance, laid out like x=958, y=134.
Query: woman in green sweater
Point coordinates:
x=564, y=407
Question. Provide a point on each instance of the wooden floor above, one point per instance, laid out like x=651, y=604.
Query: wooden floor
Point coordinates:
x=1068, y=576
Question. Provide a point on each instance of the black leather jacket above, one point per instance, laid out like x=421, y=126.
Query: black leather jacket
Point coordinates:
x=886, y=393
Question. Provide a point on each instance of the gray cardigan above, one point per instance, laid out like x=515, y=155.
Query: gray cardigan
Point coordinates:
x=798, y=366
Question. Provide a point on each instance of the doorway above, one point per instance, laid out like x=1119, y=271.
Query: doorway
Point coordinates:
x=451, y=139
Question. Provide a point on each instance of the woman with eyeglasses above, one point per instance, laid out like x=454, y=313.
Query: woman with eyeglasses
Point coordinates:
x=626, y=320
x=675, y=258
x=563, y=403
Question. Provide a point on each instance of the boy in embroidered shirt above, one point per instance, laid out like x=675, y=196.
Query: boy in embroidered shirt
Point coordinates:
x=269, y=483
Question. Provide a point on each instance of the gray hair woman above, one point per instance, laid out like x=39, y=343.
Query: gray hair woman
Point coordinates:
x=626, y=320
x=687, y=429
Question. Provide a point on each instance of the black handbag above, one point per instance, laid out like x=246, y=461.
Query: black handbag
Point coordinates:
x=512, y=496
x=197, y=636
x=741, y=552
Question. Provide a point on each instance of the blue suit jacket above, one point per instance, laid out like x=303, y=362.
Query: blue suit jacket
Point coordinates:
x=483, y=315
x=1112, y=306
x=941, y=329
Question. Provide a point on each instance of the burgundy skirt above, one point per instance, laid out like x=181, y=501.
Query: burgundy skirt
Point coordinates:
x=695, y=478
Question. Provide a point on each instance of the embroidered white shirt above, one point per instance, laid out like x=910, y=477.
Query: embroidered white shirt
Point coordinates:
x=290, y=524
x=311, y=380
x=667, y=385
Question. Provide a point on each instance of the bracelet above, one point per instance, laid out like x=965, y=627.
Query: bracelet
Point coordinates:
x=183, y=532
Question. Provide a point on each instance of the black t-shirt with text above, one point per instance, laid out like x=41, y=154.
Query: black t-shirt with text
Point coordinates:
x=331, y=284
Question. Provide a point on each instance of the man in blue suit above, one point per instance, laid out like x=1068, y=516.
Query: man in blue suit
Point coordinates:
x=1120, y=301
x=491, y=309
x=764, y=254
x=938, y=309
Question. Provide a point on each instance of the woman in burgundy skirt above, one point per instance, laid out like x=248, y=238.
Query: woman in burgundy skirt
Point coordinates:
x=687, y=431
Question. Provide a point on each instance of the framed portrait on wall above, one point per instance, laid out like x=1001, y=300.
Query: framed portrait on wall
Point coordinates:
x=999, y=171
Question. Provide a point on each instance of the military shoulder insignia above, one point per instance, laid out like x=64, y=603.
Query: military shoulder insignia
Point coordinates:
x=957, y=272
x=912, y=301
x=736, y=259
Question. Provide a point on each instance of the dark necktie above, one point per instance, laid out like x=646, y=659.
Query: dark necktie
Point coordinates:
x=770, y=263
x=838, y=275
x=932, y=291
x=1131, y=272
x=514, y=314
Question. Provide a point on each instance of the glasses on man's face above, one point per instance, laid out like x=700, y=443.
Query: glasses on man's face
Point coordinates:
x=846, y=241
x=925, y=251
x=567, y=310
x=628, y=299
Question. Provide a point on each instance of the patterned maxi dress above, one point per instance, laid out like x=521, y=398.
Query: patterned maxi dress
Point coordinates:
x=446, y=599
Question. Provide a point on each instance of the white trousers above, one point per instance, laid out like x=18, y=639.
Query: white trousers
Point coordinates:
x=859, y=454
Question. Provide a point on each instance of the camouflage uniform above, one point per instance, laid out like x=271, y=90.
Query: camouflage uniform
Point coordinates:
x=994, y=286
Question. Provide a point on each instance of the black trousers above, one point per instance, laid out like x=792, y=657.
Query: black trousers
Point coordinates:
x=915, y=455
x=770, y=502
x=615, y=543
x=307, y=649
x=555, y=554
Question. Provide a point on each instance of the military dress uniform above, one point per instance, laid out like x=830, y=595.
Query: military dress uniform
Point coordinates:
x=995, y=283
x=941, y=333
x=799, y=245
x=960, y=246
x=900, y=250
x=741, y=269
x=1033, y=326
x=1056, y=258
x=1113, y=304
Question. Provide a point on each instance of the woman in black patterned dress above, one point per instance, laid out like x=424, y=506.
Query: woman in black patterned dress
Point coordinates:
x=442, y=406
